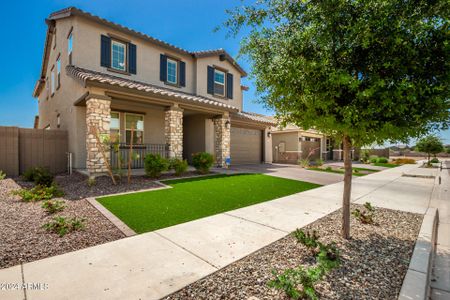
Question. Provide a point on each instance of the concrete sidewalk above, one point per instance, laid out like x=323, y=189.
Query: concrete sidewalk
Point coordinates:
x=155, y=264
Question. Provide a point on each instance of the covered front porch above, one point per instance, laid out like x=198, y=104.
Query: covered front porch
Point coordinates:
x=151, y=125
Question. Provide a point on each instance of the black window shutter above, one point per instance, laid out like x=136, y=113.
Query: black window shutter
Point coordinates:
x=132, y=58
x=210, y=89
x=163, y=68
x=182, y=73
x=105, y=60
x=229, y=86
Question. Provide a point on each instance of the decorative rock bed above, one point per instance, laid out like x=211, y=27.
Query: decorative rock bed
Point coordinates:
x=373, y=263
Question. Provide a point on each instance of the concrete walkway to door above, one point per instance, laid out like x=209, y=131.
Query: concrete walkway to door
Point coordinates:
x=155, y=264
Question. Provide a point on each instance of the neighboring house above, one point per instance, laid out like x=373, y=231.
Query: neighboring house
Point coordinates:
x=98, y=76
x=291, y=143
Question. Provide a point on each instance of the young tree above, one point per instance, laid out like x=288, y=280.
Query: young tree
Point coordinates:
x=430, y=145
x=361, y=71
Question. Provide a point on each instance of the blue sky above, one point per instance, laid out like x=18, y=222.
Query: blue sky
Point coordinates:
x=188, y=24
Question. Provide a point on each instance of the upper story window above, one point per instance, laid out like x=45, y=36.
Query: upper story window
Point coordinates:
x=69, y=44
x=47, y=87
x=118, y=55
x=172, y=73
x=219, y=82
x=52, y=79
x=58, y=72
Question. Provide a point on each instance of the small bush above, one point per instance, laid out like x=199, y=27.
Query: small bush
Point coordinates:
x=329, y=168
x=309, y=239
x=62, y=225
x=38, y=193
x=91, y=182
x=365, y=156
x=319, y=162
x=2, y=175
x=434, y=160
x=304, y=162
x=202, y=162
x=365, y=216
x=178, y=165
x=39, y=175
x=382, y=160
x=404, y=161
x=53, y=206
x=373, y=159
x=154, y=165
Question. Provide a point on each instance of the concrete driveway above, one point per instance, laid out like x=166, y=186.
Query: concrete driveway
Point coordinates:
x=290, y=172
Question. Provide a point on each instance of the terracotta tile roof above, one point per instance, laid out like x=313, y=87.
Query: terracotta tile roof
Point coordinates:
x=85, y=75
x=254, y=117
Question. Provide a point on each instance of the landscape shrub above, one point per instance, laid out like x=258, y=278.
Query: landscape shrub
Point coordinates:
x=202, y=162
x=365, y=215
x=404, y=161
x=178, y=165
x=373, y=159
x=53, y=206
x=304, y=162
x=327, y=258
x=365, y=156
x=155, y=164
x=319, y=162
x=38, y=193
x=2, y=175
x=382, y=160
x=62, y=225
x=39, y=175
x=91, y=182
x=435, y=160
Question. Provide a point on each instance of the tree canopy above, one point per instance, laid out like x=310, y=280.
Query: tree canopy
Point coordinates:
x=430, y=145
x=376, y=71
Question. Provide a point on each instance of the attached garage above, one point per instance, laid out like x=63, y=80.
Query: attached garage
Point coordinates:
x=246, y=145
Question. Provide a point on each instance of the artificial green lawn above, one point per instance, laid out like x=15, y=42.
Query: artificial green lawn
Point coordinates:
x=194, y=198
x=341, y=171
x=386, y=165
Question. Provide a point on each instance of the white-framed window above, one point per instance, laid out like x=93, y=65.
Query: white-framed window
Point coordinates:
x=58, y=71
x=118, y=55
x=219, y=82
x=135, y=122
x=114, y=127
x=69, y=44
x=52, y=79
x=172, y=71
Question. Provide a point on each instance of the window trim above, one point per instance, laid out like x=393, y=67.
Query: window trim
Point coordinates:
x=117, y=41
x=126, y=129
x=224, y=82
x=120, y=123
x=177, y=66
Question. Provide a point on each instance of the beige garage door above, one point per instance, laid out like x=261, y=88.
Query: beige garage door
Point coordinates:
x=246, y=146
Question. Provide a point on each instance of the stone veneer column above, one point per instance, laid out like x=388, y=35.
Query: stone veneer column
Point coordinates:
x=98, y=117
x=222, y=139
x=174, y=131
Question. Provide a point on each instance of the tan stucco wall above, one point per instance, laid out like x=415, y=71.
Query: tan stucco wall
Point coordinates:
x=194, y=135
x=72, y=118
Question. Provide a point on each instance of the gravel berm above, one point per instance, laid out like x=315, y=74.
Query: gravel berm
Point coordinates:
x=374, y=262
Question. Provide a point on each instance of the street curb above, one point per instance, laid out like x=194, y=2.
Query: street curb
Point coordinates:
x=416, y=284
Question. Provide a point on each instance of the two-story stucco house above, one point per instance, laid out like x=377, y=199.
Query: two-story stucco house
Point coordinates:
x=102, y=78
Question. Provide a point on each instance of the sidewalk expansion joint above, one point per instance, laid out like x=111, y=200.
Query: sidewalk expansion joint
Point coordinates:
x=244, y=219
x=187, y=250
x=23, y=282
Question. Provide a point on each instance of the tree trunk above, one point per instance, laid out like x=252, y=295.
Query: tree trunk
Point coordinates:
x=347, y=188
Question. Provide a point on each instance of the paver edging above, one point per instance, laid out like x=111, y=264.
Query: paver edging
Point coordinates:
x=127, y=231
x=416, y=284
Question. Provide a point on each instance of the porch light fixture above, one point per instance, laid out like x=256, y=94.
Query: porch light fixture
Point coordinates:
x=227, y=124
x=269, y=134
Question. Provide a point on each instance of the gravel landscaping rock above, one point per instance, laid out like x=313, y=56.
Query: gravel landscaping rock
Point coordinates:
x=373, y=263
x=23, y=239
